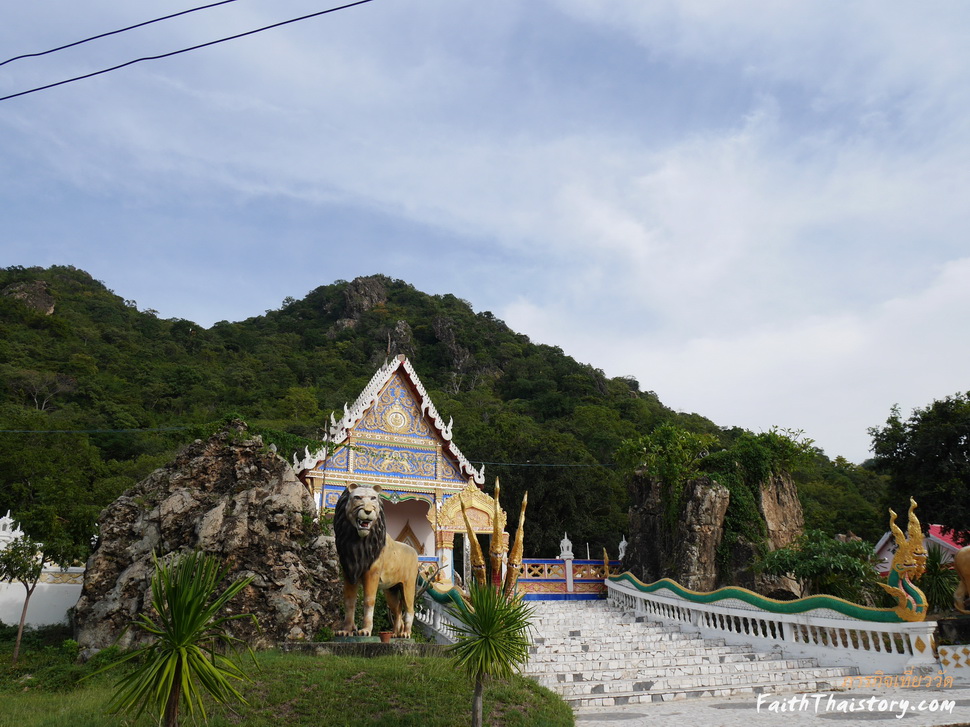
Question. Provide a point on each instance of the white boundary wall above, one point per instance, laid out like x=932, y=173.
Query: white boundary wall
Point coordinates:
x=57, y=591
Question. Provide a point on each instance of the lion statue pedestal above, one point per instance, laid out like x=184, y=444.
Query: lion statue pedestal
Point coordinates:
x=370, y=557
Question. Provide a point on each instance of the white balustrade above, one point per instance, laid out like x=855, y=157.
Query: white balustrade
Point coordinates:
x=823, y=634
x=438, y=623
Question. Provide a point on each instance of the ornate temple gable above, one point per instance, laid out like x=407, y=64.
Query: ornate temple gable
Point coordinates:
x=479, y=507
x=396, y=412
x=395, y=408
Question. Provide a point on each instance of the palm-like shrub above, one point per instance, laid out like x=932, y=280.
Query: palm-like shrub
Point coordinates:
x=938, y=581
x=493, y=638
x=191, y=649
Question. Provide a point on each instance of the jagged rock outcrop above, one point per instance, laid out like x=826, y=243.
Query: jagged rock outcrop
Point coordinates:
x=34, y=294
x=361, y=295
x=688, y=553
x=462, y=359
x=779, y=505
x=400, y=339
x=232, y=497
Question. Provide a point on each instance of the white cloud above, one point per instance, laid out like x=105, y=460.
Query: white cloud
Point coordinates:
x=756, y=208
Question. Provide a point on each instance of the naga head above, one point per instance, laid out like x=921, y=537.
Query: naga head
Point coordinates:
x=909, y=562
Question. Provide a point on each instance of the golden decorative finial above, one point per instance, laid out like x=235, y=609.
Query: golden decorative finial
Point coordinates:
x=515, y=555
x=497, y=549
x=477, y=557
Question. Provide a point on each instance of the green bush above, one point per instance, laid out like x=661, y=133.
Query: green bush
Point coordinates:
x=938, y=581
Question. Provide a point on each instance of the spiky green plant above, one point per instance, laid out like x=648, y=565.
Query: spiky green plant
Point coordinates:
x=493, y=638
x=938, y=581
x=191, y=649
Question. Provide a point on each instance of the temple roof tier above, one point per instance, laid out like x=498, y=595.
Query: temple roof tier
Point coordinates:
x=381, y=413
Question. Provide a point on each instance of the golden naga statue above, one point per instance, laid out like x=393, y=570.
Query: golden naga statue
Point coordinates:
x=961, y=563
x=497, y=551
x=908, y=565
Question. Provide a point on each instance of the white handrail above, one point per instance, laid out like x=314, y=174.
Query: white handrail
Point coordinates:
x=435, y=620
x=831, y=638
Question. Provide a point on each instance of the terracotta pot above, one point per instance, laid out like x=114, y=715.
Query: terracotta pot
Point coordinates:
x=386, y=636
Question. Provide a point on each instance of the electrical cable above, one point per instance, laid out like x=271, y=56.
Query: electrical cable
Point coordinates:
x=184, y=50
x=531, y=464
x=115, y=32
x=388, y=456
x=87, y=431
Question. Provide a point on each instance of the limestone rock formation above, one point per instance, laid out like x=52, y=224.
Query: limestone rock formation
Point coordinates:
x=689, y=553
x=229, y=496
x=779, y=505
x=361, y=295
x=34, y=294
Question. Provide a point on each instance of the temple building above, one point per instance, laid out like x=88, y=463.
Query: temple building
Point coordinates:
x=393, y=437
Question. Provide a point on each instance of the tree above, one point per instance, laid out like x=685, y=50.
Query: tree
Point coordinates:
x=300, y=403
x=669, y=453
x=824, y=565
x=672, y=456
x=189, y=635
x=40, y=387
x=20, y=562
x=927, y=457
x=23, y=560
x=493, y=638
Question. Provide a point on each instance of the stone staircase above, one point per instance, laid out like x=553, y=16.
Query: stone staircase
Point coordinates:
x=592, y=654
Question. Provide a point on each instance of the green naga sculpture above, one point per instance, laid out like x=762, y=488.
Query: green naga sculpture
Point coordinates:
x=908, y=565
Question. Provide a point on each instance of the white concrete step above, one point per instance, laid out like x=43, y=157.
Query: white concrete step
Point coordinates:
x=593, y=655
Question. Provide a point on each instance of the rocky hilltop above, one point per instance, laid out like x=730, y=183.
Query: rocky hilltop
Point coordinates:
x=229, y=496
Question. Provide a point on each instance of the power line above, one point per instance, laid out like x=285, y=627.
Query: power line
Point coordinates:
x=534, y=464
x=115, y=32
x=377, y=454
x=184, y=50
x=87, y=431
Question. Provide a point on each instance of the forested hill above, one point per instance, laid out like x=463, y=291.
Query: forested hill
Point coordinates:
x=83, y=370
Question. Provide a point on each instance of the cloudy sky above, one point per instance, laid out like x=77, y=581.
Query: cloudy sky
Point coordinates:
x=757, y=208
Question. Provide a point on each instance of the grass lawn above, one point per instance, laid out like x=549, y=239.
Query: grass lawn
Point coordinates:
x=289, y=690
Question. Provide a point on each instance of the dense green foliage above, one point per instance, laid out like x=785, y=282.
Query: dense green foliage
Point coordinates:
x=927, y=457
x=824, y=565
x=672, y=456
x=77, y=382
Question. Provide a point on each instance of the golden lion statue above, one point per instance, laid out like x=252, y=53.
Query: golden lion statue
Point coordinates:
x=961, y=563
x=369, y=556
